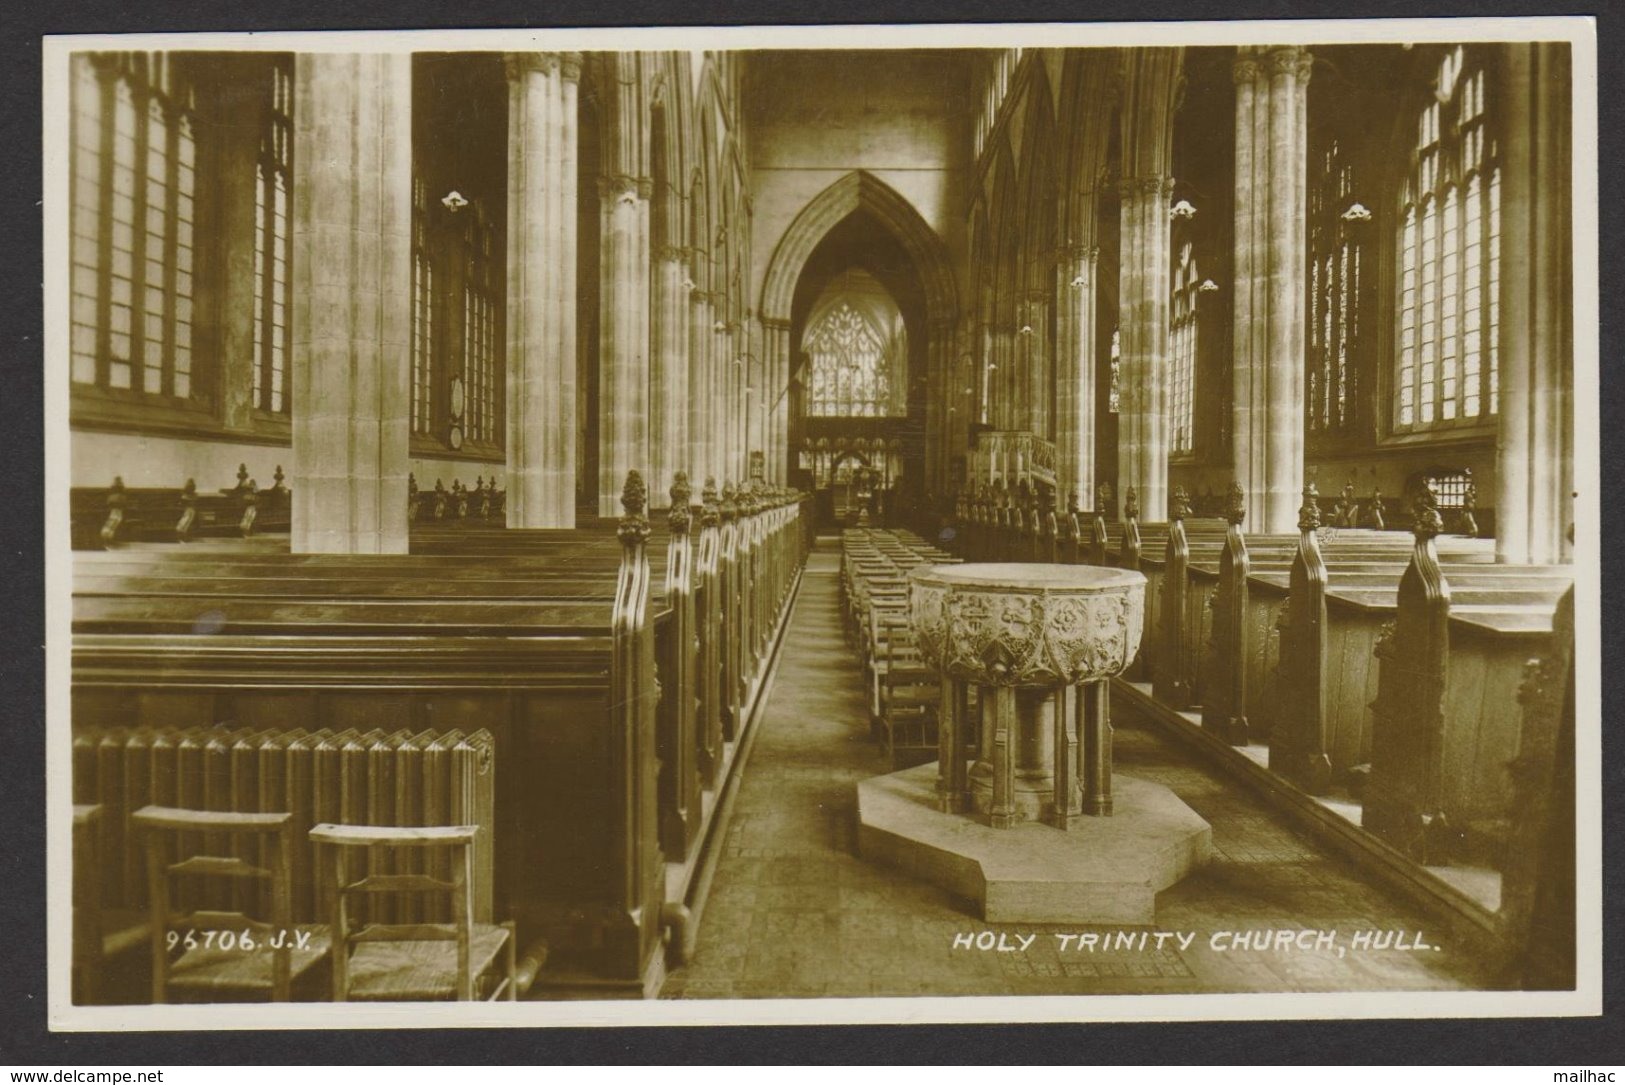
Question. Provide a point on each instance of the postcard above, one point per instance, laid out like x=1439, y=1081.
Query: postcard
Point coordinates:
x=935, y=523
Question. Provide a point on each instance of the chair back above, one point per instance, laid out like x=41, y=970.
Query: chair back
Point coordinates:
x=178, y=844
x=377, y=841
x=87, y=902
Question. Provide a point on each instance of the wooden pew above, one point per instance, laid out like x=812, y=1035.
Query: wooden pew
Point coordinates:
x=449, y=639
x=1224, y=697
x=480, y=504
x=103, y=519
x=1538, y=890
x=1380, y=666
x=1299, y=741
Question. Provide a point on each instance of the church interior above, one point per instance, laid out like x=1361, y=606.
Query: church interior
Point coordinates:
x=820, y=523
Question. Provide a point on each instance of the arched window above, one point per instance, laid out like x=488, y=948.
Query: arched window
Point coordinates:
x=134, y=167
x=457, y=291
x=849, y=367
x=458, y=285
x=1449, y=256
x=273, y=236
x=1336, y=269
x=1182, y=341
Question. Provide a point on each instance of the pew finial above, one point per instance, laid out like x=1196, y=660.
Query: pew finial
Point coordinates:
x=730, y=508
x=1425, y=511
x=634, y=526
x=681, y=515
x=1179, y=505
x=1235, y=504
x=710, y=510
x=1309, y=511
x=1376, y=519
x=1131, y=503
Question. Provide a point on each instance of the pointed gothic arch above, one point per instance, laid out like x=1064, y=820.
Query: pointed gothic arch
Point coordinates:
x=860, y=190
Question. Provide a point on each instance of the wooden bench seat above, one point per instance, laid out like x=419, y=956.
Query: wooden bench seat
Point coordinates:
x=550, y=641
x=1497, y=617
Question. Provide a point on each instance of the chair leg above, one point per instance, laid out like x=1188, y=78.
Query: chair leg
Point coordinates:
x=513, y=961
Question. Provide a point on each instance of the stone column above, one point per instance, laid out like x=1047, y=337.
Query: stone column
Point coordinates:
x=352, y=257
x=1075, y=373
x=721, y=364
x=1003, y=376
x=944, y=389
x=1034, y=346
x=776, y=355
x=236, y=150
x=1272, y=93
x=623, y=408
x=699, y=384
x=753, y=394
x=541, y=339
x=1142, y=457
x=1534, y=505
x=668, y=447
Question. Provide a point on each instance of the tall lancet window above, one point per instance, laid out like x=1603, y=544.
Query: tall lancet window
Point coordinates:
x=1449, y=255
x=458, y=285
x=272, y=238
x=850, y=377
x=1336, y=275
x=1182, y=341
x=856, y=344
x=134, y=163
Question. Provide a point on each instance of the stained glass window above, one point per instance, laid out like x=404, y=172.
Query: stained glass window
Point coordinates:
x=1336, y=269
x=134, y=163
x=1182, y=340
x=849, y=367
x=272, y=240
x=1449, y=255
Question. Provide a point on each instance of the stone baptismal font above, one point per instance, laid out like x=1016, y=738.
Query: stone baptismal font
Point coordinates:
x=1025, y=816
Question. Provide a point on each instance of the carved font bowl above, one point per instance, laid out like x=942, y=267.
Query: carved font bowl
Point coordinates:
x=1027, y=624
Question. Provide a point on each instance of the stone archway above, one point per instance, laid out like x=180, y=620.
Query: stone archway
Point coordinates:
x=857, y=191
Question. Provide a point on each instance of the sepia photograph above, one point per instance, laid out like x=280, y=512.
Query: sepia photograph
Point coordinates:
x=811, y=524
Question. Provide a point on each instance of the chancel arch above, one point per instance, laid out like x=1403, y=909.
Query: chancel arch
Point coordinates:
x=861, y=225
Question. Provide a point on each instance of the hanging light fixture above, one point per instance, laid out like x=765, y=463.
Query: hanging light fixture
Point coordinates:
x=454, y=201
x=1182, y=210
x=1357, y=212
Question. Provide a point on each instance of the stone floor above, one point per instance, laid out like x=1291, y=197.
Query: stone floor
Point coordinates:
x=795, y=913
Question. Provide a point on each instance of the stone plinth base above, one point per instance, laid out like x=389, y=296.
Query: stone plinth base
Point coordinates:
x=1103, y=870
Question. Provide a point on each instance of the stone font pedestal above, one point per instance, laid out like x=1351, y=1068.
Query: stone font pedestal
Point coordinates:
x=1039, y=829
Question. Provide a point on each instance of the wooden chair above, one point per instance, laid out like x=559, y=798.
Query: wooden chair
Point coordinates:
x=100, y=935
x=213, y=962
x=416, y=962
